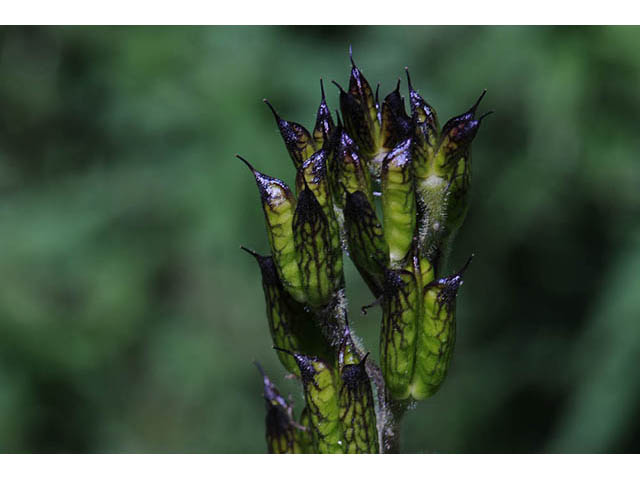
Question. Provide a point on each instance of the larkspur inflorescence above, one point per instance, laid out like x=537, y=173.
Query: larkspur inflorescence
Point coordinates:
x=420, y=174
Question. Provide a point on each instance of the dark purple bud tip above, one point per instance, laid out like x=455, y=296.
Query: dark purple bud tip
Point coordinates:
x=339, y=86
x=273, y=110
x=253, y=170
x=364, y=359
x=253, y=253
x=451, y=284
x=485, y=115
x=322, y=90
x=475, y=105
x=406, y=70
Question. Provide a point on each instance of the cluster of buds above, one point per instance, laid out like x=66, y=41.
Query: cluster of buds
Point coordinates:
x=373, y=158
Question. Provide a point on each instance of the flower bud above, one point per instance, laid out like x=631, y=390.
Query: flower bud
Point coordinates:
x=281, y=430
x=278, y=204
x=299, y=142
x=398, y=201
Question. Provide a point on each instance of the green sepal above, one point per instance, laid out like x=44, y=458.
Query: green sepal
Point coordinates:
x=324, y=126
x=282, y=433
x=278, y=205
x=321, y=397
x=365, y=240
x=299, y=142
x=437, y=334
x=320, y=265
x=398, y=201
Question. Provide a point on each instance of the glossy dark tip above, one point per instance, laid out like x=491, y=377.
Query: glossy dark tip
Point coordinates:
x=322, y=89
x=377, y=94
x=338, y=85
x=364, y=359
x=406, y=70
x=275, y=113
x=485, y=115
x=353, y=64
x=253, y=253
x=398, y=86
x=475, y=105
x=466, y=265
x=253, y=170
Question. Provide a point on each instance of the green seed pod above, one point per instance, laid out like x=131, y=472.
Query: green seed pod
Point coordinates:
x=321, y=396
x=365, y=240
x=357, y=411
x=349, y=170
x=318, y=261
x=437, y=334
x=279, y=204
x=291, y=326
x=324, y=122
x=396, y=125
x=400, y=310
x=398, y=202
x=281, y=430
x=299, y=142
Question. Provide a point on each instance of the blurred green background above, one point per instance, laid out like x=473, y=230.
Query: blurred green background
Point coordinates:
x=129, y=317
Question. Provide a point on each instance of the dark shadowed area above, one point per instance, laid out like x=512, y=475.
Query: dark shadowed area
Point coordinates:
x=129, y=317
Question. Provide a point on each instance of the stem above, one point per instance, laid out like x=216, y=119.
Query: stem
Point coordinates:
x=397, y=409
